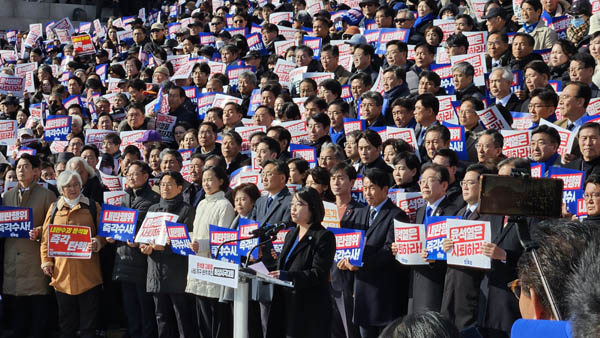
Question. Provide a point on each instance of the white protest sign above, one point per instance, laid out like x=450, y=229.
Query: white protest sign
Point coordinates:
x=332, y=217
x=154, y=229
x=566, y=137
x=516, y=143
x=8, y=132
x=478, y=63
x=213, y=271
x=114, y=197
x=468, y=238
x=493, y=119
x=410, y=239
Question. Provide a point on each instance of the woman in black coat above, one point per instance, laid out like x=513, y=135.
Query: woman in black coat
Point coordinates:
x=305, y=260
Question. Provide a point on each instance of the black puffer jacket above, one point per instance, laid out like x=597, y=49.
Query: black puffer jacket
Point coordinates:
x=167, y=271
x=130, y=264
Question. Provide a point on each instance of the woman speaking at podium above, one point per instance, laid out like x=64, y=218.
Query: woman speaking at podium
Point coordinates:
x=305, y=259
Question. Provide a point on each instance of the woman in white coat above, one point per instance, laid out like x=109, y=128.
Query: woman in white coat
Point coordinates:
x=214, y=318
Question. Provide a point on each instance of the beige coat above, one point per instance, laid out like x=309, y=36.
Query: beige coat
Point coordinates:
x=216, y=210
x=73, y=276
x=22, y=274
x=544, y=37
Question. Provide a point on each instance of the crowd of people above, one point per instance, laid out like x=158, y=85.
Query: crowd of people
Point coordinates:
x=222, y=111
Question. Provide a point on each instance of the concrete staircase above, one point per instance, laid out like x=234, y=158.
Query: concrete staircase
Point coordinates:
x=18, y=14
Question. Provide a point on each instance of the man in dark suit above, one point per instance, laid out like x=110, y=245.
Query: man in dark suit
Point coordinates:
x=545, y=141
x=461, y=285
x=426, y=110
x=500, y=82
x=428, y=280
x=271, y=209
x=449, y=159
x=379, y=293
x=342, y=180
x=588, y=137
x=369, y=149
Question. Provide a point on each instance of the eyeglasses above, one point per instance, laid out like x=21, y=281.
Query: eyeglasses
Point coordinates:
x=400, y=20
x=515, y=287
x=428, y=181
x=468, y=183
x=155, y=31
x=536, y=106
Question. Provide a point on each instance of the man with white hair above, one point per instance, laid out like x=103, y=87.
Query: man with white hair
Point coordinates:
x=500, y=82
x=463, y=74
x=92, y=187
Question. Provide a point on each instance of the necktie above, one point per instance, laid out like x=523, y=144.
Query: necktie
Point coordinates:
x=428, y=211
x=372, y=216
x=570, y=126
x=422, y=135
x=269, y=202
x=467, y=214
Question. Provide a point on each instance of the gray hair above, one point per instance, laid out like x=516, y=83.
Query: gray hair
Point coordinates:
x=506, y=73
x=338, y=152
x=172, y=152
x=76, y=120
x=407, y=14
x=250, y=76
x=65, y=177
x=77, y=160
x=465, y=68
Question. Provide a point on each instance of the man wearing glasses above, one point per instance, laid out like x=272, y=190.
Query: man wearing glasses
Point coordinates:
x=216, y=25
x=368, y=8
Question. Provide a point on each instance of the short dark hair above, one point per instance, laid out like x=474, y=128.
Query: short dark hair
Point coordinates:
x=132, y=150
x=333, y=86
x=585, y=58
x=315, y=203
x=378, y=177
x=344, y=106
x=113, y=138
x=249, y=189
x=234, y=136
x=442, y=130
x=370, y=136
x=479, y=168
x=363, y=77
x=431, y=76
x=449, y=154
x=441, y=171
x=282, y=133
x=530, y=40
x=270, y=110
x=212, y=126
x=405, y=102
x=477, y=103
x=410, y=159
x=497, y=137
x=368, y=49
x=429, y=100
x=548, y=96
x=583, y=91
x=93, y=148
x=173, y=174
x=536, y=4
x=589, y=125
x=551, y=132
x=427, y=46
x=402, y=46
x=458, y=39
x=137, y=84
x=143, y=165
x=271, y=143
x=422, y=325
x=33, y=160
x=280, y=166
x=333, y=49
x=321, y=118
x=399, y=73
x=346, y=168
x=539, y=66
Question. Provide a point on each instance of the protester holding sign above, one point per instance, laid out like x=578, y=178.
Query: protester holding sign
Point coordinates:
x=305, y=260
x=213, y=317
x=25, y=288
x=131, y=266
x=77, y=282
x=167, y=271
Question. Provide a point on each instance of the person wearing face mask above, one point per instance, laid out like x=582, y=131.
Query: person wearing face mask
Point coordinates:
x=77, y=282
x=580, y=13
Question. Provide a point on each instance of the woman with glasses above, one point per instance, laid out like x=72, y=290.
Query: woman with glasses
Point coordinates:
x=305, y=260
x=167, y=271
x=213, y=317
x=77, y=282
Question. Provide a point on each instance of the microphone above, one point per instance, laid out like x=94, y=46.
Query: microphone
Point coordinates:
x=269, y=230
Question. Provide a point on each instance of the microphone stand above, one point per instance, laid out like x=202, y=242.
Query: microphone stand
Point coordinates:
x=531, y=246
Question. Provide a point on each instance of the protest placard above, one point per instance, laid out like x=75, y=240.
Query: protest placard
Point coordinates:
x=409, y=202
x=477, y=61
x=213, y=271
x=83, y=44
x=117, y=222
x=180, y=238
x=113, y=197
x=245, y=227
x=57, y=127
x=229, y=251
x=154, y=229
x=516, y=143
x=8, y=132
x=567, y=138
x=349, y=244
x=12, y=85
x=69, y=241
x=467, y=243
x=332, y=217
x=492, y=118
x=15, y=222
x=410, y=239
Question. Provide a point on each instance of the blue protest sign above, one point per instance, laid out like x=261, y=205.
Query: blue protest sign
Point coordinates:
x=117, y=222
x=180, y=238
x=255, y=101
x=245, y=227
x=573, y=185
x=349, y=243
x=15, y=222
x=314, y=43
x=457, y=140
x=444, y=70
x=57, y=128
x=306, y=152
x=233, y=73
x=220, y=235
x=436, y=232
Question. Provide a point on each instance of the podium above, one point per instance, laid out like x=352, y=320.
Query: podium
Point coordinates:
x=231, y=275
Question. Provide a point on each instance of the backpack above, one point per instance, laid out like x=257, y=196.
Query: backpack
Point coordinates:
x=92, y=209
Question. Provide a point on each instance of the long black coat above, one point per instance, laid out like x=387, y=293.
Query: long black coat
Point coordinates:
x=167, y=271
x=501, y=307
x=130, y=264
x=305, y=310
x=380, y=291
x=428, y=280
x=462, y=284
